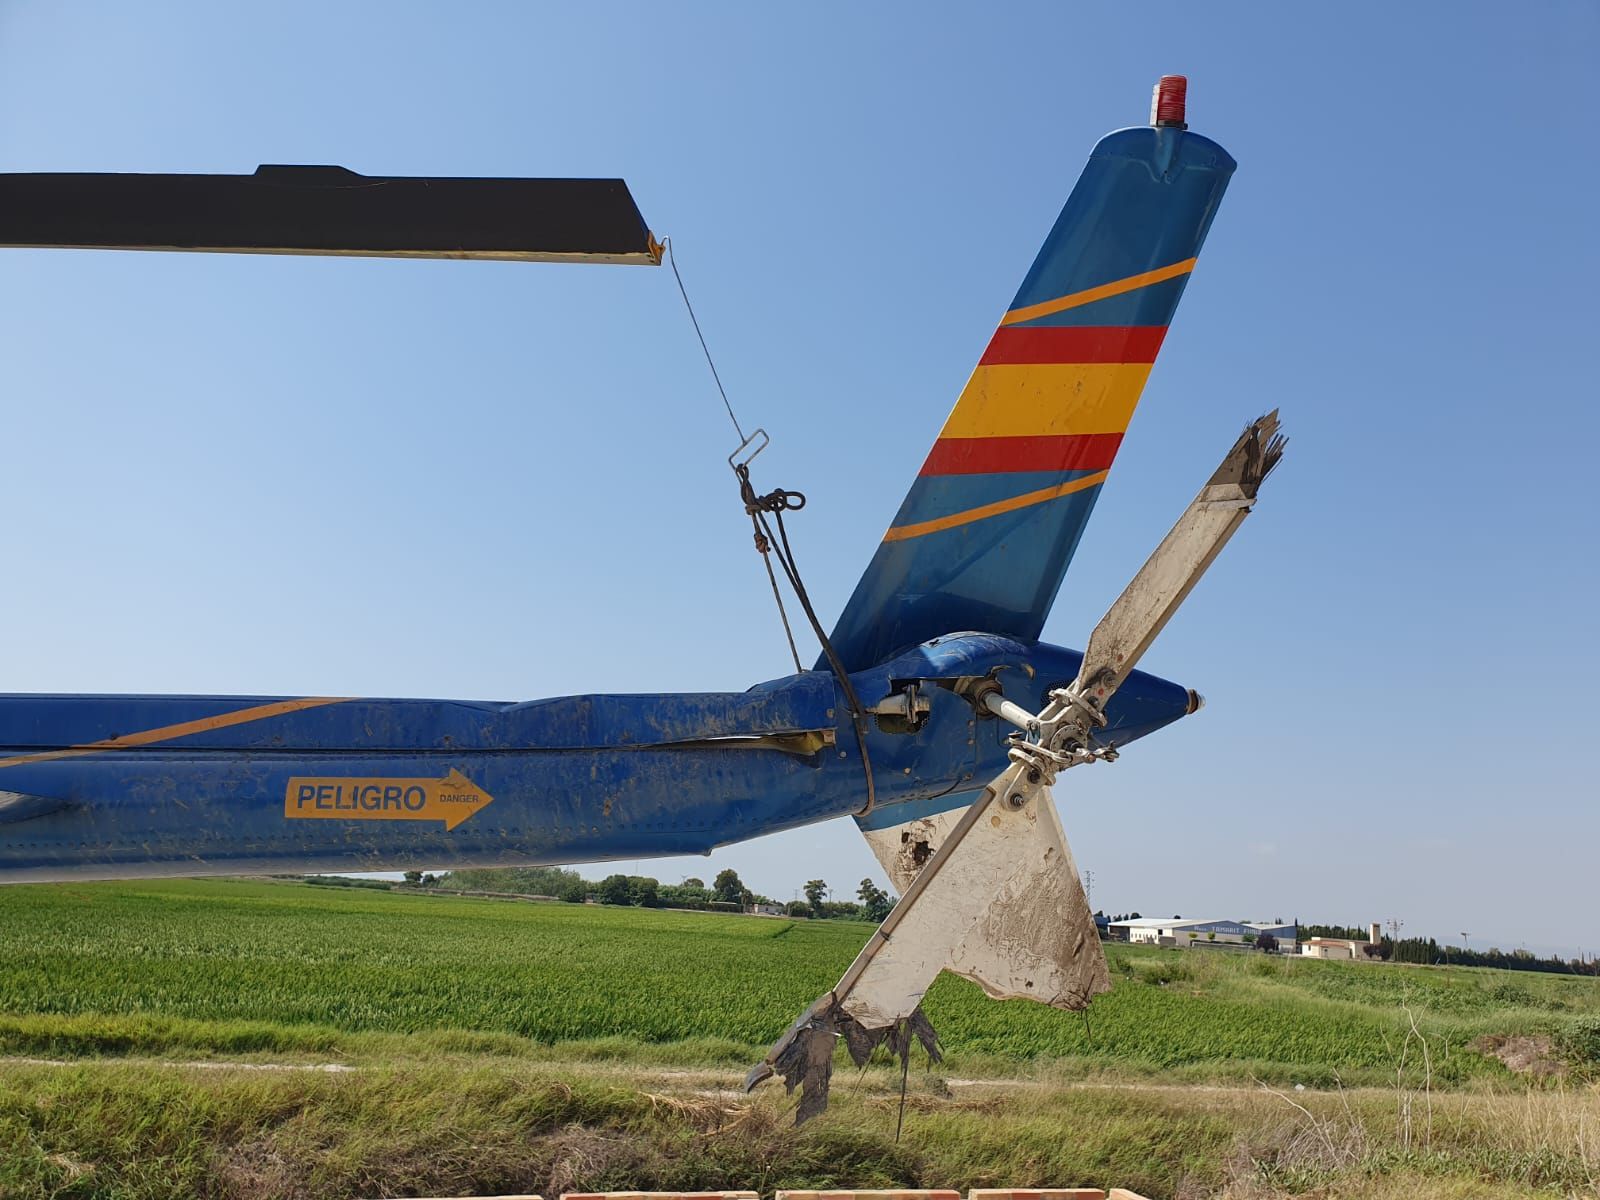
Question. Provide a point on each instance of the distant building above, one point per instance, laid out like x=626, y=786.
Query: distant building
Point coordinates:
x=1159, y=931
x=1346, y=949
x=767, y=910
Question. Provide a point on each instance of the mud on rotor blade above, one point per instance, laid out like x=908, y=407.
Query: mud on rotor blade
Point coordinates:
x=999, y=903
x=1131, y=624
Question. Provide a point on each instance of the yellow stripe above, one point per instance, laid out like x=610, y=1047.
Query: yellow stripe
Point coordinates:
x=1034, y=399
x=1089, y=295
x=899, y=533
x=242, y=716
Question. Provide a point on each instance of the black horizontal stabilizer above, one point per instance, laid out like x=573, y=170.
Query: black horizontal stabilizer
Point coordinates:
x=329, y=210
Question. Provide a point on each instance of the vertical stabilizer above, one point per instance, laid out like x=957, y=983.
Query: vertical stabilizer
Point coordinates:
x=991, y=522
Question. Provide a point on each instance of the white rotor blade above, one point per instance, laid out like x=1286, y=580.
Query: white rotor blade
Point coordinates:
x=1008, y=912
x=1153, y=595
x=1000, y=896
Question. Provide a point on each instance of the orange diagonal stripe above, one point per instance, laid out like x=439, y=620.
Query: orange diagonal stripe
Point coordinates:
x=242, y=716
x=1090, y=295
x=899, y=533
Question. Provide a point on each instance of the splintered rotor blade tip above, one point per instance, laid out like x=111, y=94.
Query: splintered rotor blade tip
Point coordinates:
x=1270, y=441
x=1254, y=455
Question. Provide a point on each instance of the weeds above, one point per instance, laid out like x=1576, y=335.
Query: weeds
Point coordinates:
x=138, y=1132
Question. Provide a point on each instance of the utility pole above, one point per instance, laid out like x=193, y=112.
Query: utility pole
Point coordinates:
x=1088, y=887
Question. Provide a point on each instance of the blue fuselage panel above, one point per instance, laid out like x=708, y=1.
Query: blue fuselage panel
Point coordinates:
x=116, y=786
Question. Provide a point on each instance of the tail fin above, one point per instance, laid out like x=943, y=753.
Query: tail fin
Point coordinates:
x=985, y=535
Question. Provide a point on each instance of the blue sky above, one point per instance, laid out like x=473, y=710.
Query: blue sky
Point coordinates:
x=505, y=481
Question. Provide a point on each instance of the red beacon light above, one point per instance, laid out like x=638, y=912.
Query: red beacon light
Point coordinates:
x=1167, y=101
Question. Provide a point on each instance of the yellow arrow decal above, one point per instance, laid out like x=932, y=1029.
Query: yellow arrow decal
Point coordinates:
x=452, y=799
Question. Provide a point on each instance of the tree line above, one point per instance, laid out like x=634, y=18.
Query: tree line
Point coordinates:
x=1429, y=951
x=727, y=893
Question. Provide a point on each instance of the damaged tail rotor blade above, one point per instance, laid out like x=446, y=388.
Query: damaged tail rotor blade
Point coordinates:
x=1148, y=602
x=1000, y=902
x=804, y=1055
x=1037, y=940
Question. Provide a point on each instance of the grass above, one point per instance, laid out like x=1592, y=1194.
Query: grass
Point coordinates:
x=544, y=1047
x=98, y=1131
x=240, y=967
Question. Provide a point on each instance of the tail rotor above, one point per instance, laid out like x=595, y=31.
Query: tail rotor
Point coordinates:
x=1000, y=900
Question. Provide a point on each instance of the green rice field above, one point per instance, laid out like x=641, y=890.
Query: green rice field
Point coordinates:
x=236, y=966
x=253, y=1039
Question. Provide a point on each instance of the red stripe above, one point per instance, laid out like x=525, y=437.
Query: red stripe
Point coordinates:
x=1074, y=344
x=998, y=455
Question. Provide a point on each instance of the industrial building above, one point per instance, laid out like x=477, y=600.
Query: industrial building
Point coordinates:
x=1161, y=931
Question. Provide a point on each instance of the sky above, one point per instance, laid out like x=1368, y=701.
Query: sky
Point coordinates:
x=304, y=476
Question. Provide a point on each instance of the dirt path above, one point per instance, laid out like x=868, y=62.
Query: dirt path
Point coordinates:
x=708, y=1081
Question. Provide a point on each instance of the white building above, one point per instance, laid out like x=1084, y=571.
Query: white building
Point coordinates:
x=1160, y=931
x=1345, y=949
